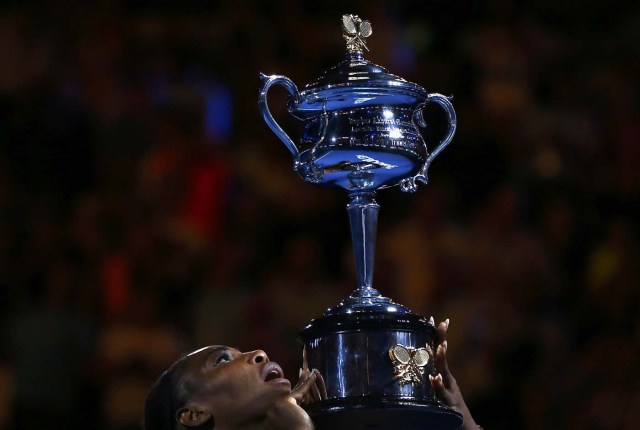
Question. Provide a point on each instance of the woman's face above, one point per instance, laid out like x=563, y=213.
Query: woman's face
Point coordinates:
x=231, y=385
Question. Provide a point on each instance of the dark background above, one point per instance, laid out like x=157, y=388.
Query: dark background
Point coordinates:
x=146, y=209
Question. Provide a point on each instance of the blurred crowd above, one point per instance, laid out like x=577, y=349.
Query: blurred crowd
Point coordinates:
x=146, y=209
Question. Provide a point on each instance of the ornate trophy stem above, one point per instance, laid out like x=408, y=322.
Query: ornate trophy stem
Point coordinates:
x=363, y=218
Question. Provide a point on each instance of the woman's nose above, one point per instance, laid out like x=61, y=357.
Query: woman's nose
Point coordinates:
x=258, y=356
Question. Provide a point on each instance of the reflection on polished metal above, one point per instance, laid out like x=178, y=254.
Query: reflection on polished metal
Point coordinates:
x=362, y=132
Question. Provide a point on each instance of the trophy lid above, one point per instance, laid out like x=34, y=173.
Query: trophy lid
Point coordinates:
x=356, y=82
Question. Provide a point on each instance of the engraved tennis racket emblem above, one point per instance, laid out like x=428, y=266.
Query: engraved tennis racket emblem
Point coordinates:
x=355, y=30
x=409, y=363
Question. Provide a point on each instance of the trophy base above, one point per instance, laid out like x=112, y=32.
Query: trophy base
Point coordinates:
x=358, y=348
x=367, y=413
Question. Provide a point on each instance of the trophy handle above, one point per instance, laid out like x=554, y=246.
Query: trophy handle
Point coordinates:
x=264, y=108
x=409, y=184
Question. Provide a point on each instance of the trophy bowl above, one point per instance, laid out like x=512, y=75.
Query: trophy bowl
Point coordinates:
x=359, y=117
x=361, y=131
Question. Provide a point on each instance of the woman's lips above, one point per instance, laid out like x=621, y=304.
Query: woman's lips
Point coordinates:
x=272, y=374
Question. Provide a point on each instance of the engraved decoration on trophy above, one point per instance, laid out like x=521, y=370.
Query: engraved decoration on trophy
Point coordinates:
x=354, y=31
x=409, y=363
x=362, y=131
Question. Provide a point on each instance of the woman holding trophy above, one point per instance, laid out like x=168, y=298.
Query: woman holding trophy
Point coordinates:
x=222, y=388
x=363, y=132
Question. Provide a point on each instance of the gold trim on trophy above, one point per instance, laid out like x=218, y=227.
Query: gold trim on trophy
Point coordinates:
x=409, y=363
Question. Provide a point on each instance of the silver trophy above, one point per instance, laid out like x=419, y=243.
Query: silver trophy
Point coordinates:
x=362, y=132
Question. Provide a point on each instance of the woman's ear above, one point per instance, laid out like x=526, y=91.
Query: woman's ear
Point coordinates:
x=193, y=417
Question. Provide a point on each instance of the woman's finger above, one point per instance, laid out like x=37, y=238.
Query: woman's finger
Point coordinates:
x=315, y=391
x=441, y=352
x=442, y=330
x=442, y=365
x=321, y=385
x=304, y=374
x=441, y=391
x=304, y=384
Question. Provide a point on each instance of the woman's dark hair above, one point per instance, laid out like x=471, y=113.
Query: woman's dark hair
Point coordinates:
x=164, y=399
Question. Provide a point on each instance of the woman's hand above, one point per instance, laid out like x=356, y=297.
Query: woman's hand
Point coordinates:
x=444, y=383
x=287, y=414
x=310, y=387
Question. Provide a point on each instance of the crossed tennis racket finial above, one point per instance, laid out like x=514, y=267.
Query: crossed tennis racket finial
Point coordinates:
x=355, y=30
x=409, y=363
